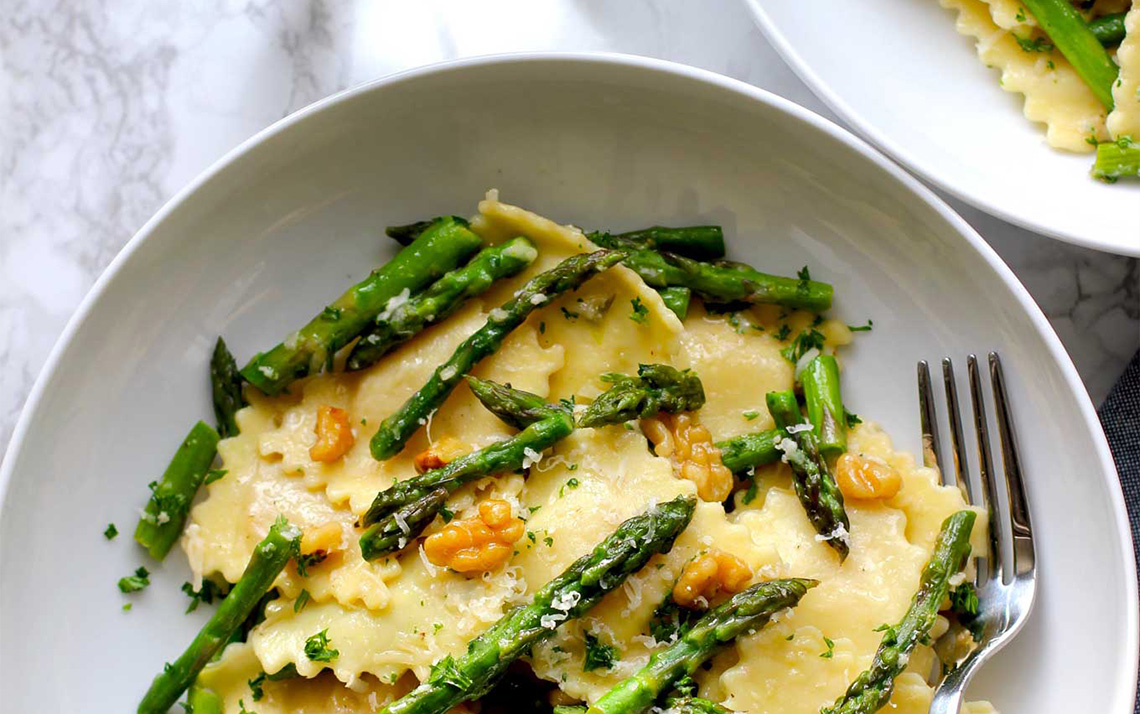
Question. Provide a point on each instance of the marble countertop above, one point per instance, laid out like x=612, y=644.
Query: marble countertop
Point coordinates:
x=107, y=109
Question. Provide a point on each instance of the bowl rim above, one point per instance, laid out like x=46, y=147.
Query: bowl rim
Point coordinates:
x=899, y=153
x=650, y=65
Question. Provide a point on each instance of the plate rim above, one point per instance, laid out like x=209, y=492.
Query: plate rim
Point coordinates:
x=650, y=65
x=880, y=140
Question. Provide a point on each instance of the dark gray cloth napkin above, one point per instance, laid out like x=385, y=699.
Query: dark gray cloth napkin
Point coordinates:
x=1120, y=416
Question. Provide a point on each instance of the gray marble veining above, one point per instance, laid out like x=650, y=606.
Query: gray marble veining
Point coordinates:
x=108, y=109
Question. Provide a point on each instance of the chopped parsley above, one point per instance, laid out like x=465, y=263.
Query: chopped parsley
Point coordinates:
x=830, y=649
x=242, y=709
x=784, y=332
x=806, y=341
x=753, y=487
x=640, y=312
x=126, y=607
x=531, y=537
x=598, y=655
x=549, y=541
x=1020, y=16
x=790, y=637
x=255, y=686
x=301, y=601
x=214, y=474
x=309, y=560
x=862, y=328
x=851, y=418
x=803, y=274
x=110, y=531
x=964, y=600
x=1041, y=44
x=571, y=484
x=331, y=314
x=751, y=414
x=542, y=328
x=447, y=514
x=568, y=314
x=317, y=648
x=209, y=592
x=136, y=582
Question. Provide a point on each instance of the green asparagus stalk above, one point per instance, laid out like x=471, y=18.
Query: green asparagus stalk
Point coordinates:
x=514, y=407
x=820, y=380
x=444, y=297
x=440, y=248
x=1117, y=159
x=656, y=388
x=1109, y=29
x=746, y=451
x=225, y=383
x=746, y=611
x=395, y=431
x=701, y=242
x=677, y=300
x=693, y=705
x=569, y=596
x=728, y=282
x=399, y=514
x=1069, y=33
x=815, y=486
x=268, y=560
x=165, y=513
x=872, y=689
x=673, y=705
x=393, y=532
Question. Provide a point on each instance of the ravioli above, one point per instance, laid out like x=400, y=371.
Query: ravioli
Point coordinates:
x=390, y=620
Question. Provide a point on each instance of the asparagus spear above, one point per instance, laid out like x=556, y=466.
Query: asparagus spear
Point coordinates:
x=400, y=513
x=820, y=380
x=746, y=611
x=395, y=431
x=1108, y=29
x=872, y=689
x=673, y=705
x=656, y=388
x=677, y=300
x=394, y=531
x=815, y=486
x=165, y=512
x=225, y=382
x=515, y=407
x=570, y=595
x=268, y=560
x=746, y=451
x=444, y=297
x=1068, y=31
x=702, y=242
x=724, y=282
x=440, y=248
x=1115, y=159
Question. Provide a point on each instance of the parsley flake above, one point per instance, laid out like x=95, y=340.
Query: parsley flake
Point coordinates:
x=640, y=312
x=317, y=648
x=209, y=592
x=598, y=655
x=136, y=582
x=830, y=649
x=110, y=532
x=301, y=601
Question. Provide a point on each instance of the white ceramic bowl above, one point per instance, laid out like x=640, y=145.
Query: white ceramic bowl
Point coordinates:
x=902, y=76
x=287, y=220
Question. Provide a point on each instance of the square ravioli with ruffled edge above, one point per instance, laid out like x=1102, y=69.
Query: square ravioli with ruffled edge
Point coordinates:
x=391, y=619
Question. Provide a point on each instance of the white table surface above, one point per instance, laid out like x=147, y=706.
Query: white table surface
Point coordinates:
x=108, y=108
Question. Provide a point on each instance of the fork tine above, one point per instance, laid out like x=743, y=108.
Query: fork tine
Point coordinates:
x=986, y=468
x=1020, y=526
x=931, y=444
x=957, y=444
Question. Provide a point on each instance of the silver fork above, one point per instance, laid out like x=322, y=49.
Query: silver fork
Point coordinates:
x=1006, y=582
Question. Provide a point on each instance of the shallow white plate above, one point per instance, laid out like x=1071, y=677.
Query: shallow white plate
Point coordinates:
x=899, y=72
x=283, y=224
